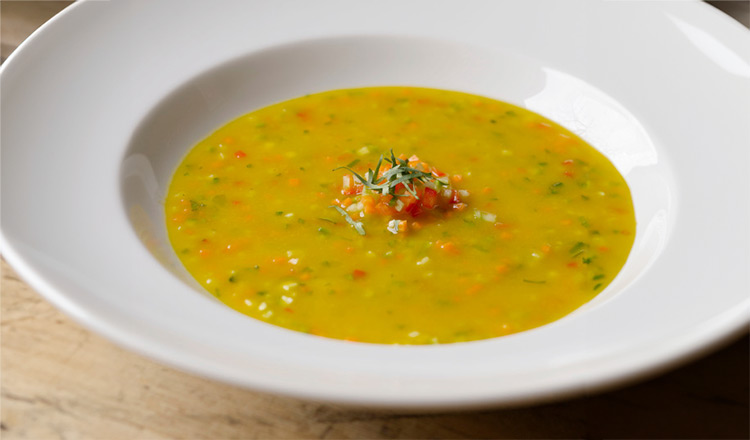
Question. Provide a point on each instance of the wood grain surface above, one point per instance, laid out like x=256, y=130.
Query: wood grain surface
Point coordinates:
x=60, y=381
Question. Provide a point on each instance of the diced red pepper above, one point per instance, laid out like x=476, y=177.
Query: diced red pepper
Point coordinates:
x=429, y=198
x=414, y=208
x=357, y=274
x=239, y=154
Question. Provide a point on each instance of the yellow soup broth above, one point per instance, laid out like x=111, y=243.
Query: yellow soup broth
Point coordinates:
x=501, y=221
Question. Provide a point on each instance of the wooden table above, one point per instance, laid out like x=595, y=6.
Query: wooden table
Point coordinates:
x=61, y=381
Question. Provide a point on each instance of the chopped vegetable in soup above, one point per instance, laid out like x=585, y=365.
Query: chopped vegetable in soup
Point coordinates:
x=399, y=215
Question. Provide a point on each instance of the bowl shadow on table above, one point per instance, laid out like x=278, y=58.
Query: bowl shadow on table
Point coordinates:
x=706, y=399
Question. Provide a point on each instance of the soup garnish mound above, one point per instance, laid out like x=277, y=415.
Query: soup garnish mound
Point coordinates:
x=399, y=215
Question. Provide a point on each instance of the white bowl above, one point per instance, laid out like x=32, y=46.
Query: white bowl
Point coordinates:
x=102, y=102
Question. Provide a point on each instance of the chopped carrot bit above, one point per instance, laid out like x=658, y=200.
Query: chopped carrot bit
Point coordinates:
x=416, y=226
x=346, y=202
x=305, y=276
x=447, y=246
x=402, y=226
x=383, y=209
x=568, y=173
x=288, y=310
x=204, y=252
x=546, y=248
x=603, y=248
x=566, y=222
x=228, y=140
x=572, y=264
x=357, y=274
x=474, y=289
x=502, y=268
x=239, y=154
x=486, y=190
x=505, y=235
x=457, y=178
x=294, y=182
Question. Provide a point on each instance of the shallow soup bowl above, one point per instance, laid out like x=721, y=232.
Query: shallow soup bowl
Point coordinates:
x=102, y=103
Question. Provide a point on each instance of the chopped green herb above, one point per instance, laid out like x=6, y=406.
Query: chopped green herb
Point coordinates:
x=598, y=277
x=534, y=282
x=597, y=286
x=279, y=213
x=194, y=206
x=256, y=267
x=352, y=163
x=584, y=222
x=324, y=231
x=232, y=279
x=216, y=180
x=578, y=248
x=586, y=260
x=249, y=165
x=327, y=220
x=555, y=187
x=400, y=173
x=261, y=293
x=356, y=225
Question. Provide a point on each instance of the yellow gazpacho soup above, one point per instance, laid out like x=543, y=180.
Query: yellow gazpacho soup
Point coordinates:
x=399, y=215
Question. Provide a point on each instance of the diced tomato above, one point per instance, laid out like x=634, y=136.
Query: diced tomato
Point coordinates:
x=239, y=154
x=357, y=274
x=429, y=198
x=414, y=208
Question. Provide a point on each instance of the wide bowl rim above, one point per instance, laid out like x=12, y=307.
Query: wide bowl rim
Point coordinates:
x=658, y=357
